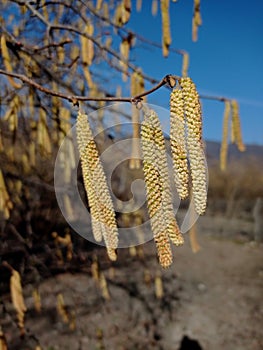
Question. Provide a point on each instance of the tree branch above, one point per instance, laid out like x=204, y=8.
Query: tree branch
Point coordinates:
x=74, y=98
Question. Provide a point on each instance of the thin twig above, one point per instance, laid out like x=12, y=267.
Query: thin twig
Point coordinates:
x=216, y=98
x=61, y=44
x=74, y=98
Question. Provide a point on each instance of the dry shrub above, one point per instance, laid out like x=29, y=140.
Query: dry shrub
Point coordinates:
x=236, y=189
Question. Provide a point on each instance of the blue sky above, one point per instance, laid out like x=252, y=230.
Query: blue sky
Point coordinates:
x=225, y=61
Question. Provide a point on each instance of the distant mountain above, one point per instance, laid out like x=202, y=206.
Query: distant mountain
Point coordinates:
x=254, y=152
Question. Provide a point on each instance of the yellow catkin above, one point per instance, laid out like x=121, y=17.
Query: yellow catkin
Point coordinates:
x=154, y=7
x=37, y=300
x=7, y=62
x=185, y=64
x=134, y=162
x=101, y=206
x=124, y=51
x=3, y=343
x=43, y=138
x=138, y=5
x=61, y=54
x=166, y=34
x=154, y=190
x=90, y=44
x=147, y=277
x=61, y=308
x=66, y=242
x=105, y=10
x=1, y=142
x=197, y=20
x=178, y=142
x=99, y=4
x=161, y=162
x=104, y=287
x=126, y=11
x=132, y=251
x=5, y=203
x=224, y=143
x=136, y=87
x=11, y=114
x=193, y=239
x=137, y=84
x=18, y=299
x=95, y=269
x=88, y=77
x=236, y=126
x=193, y=114
x=118, y=15
x=87, y=53
x=193, y=232
x=158, y=287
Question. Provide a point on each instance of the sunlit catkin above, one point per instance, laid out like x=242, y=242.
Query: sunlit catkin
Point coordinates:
x=138, y=5
x=224, y=143
x=178, y=142
x=158, y=287
x=5, y=202
x=154, y=7
x=197, y=20
x=154, y=190
x=193, y=230
x=185, y=64
x=7, y=62
x=236, y=126
x=124, y=52
x=166, y=34
x=162, y=166
x=18, y=299
x=101, y=206
x=193, y=114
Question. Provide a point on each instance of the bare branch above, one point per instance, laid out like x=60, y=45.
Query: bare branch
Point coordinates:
x=74, y=99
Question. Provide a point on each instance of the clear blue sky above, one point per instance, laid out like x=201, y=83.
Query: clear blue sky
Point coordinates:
x=226, y=60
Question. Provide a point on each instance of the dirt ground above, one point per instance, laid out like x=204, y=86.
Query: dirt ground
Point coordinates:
x=213, y=296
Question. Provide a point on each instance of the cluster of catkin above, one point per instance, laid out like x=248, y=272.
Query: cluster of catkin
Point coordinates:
x=187, y=143
x=103, y=219
x=159, y=199
x=186, y=147
x=231, y=116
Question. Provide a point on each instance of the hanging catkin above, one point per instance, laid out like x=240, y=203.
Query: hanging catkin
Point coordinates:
x=136, y=87
x=185, y=64
x=162, y=166
x=101, y=206
x=237, y=136
x=3, y=343
x=224, y=143
x=197, y=20
x=154, y=189
x=87, y=45
x=124, y=51
x=193, y=230
x=18, y=299
x=193, y=114
x=178, y=142
x=7, y=62
x=166, y=35
x=5, y=202
x=154, y=7
x=126, y=11
x=138, y=5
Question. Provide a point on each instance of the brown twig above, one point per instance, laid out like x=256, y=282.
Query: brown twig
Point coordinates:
x=216, y=98
x=62, y=43
x=74, y=98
